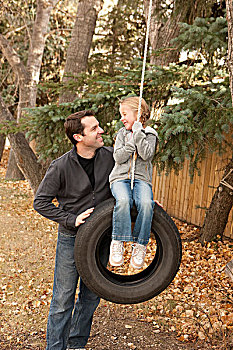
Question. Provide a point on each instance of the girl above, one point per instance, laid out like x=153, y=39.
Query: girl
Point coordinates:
x=134, y=136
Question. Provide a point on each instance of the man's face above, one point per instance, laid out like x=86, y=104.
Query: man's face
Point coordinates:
x=92, y=133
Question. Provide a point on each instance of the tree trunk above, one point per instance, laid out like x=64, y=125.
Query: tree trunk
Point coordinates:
x=161, y=33
x=13, y=172
x=165, y=27
x=23, y=76
x=80, y=44
x=2, y=145
x=222, y=201
x=26, y=160
x=25, y=157
x=37, y=45
x=220, y=207
x=229, y=8
x=115, y=34
x=28, y=77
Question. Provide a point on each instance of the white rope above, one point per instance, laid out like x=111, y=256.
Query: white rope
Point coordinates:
x=141, y=86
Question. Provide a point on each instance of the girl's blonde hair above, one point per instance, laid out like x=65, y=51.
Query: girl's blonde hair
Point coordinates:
x=133, y=103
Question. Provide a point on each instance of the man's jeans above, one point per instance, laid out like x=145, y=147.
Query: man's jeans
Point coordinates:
x=143, y=197
x=69, y=324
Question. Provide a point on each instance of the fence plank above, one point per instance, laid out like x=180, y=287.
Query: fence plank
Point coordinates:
x=178, y=198
x=186, y=182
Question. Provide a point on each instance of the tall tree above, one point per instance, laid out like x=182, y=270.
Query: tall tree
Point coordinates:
x=119, y=38
x=28, y=76
x=80, y=44
x=165, y=25
x=217, y=214
x=162, y=31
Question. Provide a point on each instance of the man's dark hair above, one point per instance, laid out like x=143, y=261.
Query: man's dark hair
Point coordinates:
x=73, y=124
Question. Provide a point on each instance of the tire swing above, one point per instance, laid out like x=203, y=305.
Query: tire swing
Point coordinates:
x=93, y=240
x=92, y=252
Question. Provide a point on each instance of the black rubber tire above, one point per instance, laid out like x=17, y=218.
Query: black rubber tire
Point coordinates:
x=95, y=235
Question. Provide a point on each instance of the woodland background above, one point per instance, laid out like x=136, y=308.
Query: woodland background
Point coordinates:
x=62, y=56
x=57, y=57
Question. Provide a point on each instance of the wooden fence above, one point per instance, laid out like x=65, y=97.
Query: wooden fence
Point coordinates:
x=187, y=201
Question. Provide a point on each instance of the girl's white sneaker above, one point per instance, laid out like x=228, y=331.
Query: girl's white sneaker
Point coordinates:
x=138, y=256
x=116, y=257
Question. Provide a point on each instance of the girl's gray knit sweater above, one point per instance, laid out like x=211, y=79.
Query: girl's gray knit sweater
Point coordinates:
x=141, y=140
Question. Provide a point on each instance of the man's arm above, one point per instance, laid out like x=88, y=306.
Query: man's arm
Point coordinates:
x=45, y=194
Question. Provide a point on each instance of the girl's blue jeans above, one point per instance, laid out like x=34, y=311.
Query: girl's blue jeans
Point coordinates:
x=69, y=323
x=142, y=196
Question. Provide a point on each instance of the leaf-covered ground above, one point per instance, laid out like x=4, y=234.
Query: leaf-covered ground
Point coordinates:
x=194, y=312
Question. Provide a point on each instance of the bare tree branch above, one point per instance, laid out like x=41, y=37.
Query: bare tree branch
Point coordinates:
x=12, y=57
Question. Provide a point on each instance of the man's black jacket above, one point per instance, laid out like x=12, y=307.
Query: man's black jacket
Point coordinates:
x=67, y=181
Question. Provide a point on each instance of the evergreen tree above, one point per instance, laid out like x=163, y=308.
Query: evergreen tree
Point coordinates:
x=119, y=38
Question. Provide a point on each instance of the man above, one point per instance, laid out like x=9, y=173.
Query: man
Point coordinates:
x=79, y=181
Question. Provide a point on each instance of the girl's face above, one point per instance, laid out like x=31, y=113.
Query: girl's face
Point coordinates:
x=128, y=116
